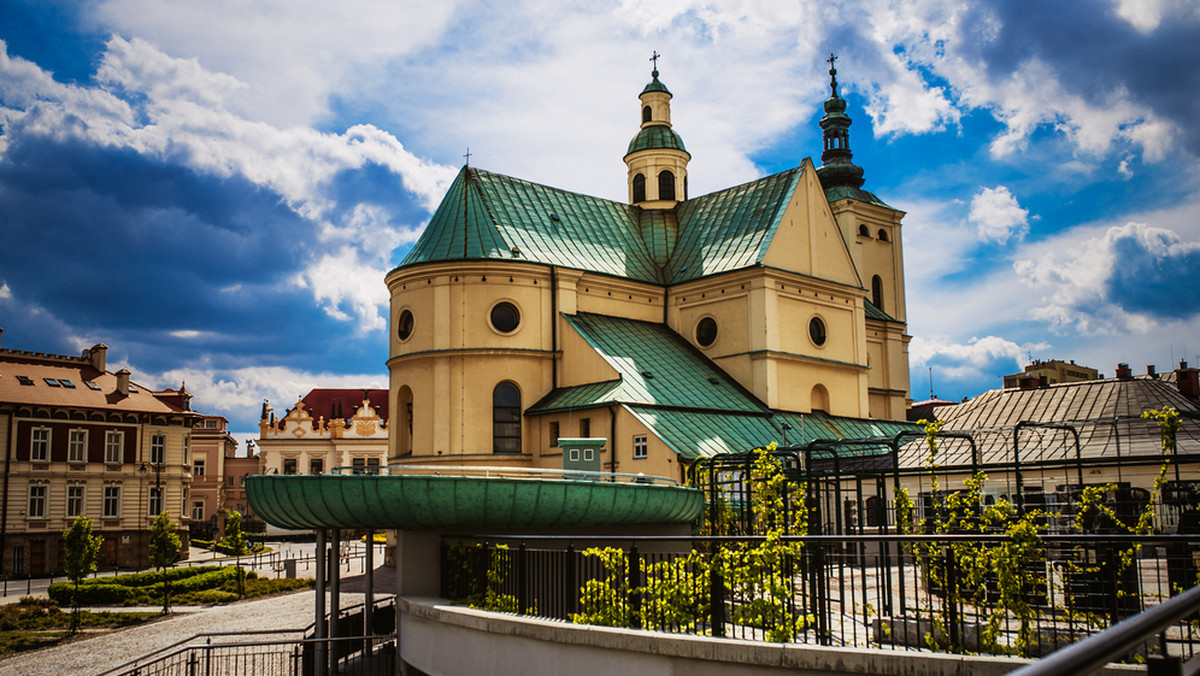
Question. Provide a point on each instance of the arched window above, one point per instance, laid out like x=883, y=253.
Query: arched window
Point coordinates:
x=646, y=114
x=506, y=419
x=883, y=236
x=639, y=188
x=404, y=409
x=877, y=291
x=864, y=231
x=666, y=185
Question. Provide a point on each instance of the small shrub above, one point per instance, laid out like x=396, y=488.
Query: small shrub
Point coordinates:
x=96, y=593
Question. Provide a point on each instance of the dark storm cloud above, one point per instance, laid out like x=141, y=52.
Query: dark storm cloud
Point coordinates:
x=130, y=249
x=1097, y=53
x=1150, y=278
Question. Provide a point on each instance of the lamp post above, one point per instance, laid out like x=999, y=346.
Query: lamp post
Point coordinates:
x=786, y=427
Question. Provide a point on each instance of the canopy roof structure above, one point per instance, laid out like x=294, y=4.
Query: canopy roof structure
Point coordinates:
x=468, y=498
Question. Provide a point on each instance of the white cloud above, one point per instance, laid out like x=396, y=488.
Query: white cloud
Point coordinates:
x=997, y=215
x=238, y=394
x=5, y=292
x=176, y=112
x=973, y=359
x=1079, y=272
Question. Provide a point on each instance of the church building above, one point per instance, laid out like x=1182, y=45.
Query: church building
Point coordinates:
x=674, y=327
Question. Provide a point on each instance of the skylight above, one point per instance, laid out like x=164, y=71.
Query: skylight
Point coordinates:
x=25, y=380
x=51, y=382
x=91, y=385
x=66, y=383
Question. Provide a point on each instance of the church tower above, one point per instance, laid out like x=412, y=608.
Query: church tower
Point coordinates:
x=871, y=228
x=656, y=158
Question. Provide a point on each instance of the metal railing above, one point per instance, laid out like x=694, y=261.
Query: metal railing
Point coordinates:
x=498, y=472
x=920, y=592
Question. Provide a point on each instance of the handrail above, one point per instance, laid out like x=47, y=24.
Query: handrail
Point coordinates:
x=184, y=647
x=142, y=659
x=1094, y=652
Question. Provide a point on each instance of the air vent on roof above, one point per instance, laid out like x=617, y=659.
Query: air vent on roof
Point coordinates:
x=714, y=381
x=25, y=380
x=51, y=382
x=555, y=218
x=647, y=374
x=91, y=385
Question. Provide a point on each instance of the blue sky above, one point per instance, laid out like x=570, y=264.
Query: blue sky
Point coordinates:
x=216, y=189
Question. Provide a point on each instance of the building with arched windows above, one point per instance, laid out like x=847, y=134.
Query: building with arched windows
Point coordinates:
x=672, y=326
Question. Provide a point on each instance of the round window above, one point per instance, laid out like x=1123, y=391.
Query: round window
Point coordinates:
x=505, y=317
x=404, y=325
x=816, y=331
x=706, y=331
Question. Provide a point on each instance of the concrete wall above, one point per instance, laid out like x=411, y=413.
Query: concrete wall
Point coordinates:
x=434, y=637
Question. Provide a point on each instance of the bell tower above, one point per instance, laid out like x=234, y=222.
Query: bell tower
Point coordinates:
x=656, y=158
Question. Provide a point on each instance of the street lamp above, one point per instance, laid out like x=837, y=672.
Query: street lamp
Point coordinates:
x=786, y=427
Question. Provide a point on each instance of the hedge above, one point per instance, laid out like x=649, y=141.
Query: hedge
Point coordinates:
x=90, y=594
x=152, y=576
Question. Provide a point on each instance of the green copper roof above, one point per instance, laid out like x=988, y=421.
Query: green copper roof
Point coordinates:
x=841, y=192
x=486, y=216
x=875, y=313
x=730, y=229
x=428, y=502
x=655, y=366
x=693, y=434
x=656, y=136
x=654, y=85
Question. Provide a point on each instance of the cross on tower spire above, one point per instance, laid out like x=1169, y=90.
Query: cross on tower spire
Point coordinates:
x=467, y=156
x=654, y=57
x=832, y=73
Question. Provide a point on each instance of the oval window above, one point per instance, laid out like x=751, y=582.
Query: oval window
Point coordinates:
x=706, y=331
x=404, y=325
x=816, y=331
x=505, y=317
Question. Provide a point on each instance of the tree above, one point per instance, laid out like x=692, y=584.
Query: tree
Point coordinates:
x=235, y=538
x=82, y=548
x=164, y=549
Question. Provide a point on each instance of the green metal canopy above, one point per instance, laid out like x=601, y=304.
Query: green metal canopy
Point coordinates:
x=450, y=499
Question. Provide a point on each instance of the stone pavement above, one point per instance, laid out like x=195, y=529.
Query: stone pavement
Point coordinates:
x=93, y=655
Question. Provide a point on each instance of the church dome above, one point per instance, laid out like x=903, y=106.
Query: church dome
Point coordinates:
x=656, y=137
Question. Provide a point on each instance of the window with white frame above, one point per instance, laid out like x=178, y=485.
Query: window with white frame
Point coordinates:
x=114, y=442
x=187, y=449
x=183, y=502
x=198, y=468
x=75, y=500
x=639, y=446
x=39, y=444
x=112, y=501
x=155, y=505
x=158, y=448
x=37, y=501
x=77, y=446
x=372, y=465
x=198, y=510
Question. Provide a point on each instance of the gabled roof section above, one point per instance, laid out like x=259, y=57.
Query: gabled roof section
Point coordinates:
x=873, y=312
x=1103, y=412
x=730, y=229
x=492, y=216
x=656, y=367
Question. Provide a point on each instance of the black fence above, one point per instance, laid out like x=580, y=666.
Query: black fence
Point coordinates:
x=959, y=594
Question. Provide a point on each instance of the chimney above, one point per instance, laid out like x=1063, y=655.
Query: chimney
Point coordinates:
x=1188, y=381
x=123, y=381
x=1123, y=372
x=1150, y=371
x=99, y=356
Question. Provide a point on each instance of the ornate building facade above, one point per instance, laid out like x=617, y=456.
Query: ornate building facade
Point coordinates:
x=674, y=327
x=326, y=428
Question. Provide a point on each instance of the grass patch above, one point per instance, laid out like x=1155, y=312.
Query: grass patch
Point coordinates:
x=37, y=622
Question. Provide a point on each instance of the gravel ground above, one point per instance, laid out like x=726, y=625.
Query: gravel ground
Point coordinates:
x=100, y=653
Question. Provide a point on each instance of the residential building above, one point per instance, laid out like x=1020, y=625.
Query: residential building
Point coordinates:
x=79, y=440
x=212, y=447
x=672, y=326
x=1051, y=372
x=325, y=429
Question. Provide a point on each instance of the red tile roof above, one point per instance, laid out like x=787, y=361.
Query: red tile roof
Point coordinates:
x=74, y=371
x=321, y=402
